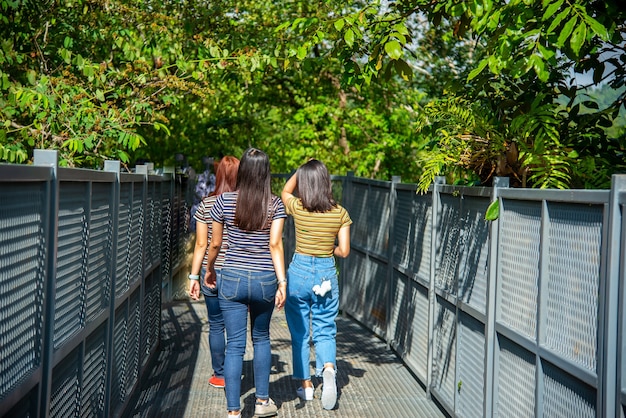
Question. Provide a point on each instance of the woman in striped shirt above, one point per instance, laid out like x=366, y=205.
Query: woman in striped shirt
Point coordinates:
x=225, y=181
x=252, y=277
x=313, y=292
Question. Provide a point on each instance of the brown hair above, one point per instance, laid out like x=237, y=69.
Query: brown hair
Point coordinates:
x=226, y=175
x=254, y=191
x=314, y=187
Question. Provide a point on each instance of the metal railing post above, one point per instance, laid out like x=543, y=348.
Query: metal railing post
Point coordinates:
x=393, y=198
x=490, y=325
x=114, y=167
x=49, y=158
x=435, y=208
x=609, y=385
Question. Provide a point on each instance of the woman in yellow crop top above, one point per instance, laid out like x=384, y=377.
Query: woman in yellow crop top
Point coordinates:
x=312, y=288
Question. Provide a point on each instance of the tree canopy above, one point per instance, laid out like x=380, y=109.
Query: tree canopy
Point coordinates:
x=415, y=88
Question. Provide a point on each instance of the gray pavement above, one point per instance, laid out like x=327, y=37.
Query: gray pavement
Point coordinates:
x=372, y=382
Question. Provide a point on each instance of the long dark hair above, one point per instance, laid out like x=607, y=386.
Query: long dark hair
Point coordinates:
x=314, y=187
x=226, y=175
x=254, y=191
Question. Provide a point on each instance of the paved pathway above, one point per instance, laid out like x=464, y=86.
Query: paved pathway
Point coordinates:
x=372, y=382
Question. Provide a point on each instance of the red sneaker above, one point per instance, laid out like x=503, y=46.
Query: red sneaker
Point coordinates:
x=217, y=382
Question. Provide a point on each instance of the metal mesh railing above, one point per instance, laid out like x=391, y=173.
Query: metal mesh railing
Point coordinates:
x=81, y=281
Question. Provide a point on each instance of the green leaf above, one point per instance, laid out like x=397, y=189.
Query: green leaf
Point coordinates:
x=578, y=38
x=551, y=9
x=393, y=49
x=493, y=211
x=302, y=51
x=474, y=73
x=100, y=95
x=349, y=37
x=339, y=24
x=558, y=19
x=566, y=31
x=596, y=27
x=403, y=69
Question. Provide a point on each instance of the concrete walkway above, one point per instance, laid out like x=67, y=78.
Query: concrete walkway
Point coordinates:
x=371, y=381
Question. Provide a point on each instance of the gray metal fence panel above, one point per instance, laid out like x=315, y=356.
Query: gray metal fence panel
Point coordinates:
x=100, y=256
x=473, y=260
x=65, y=394
x=448, y=244
x=72, y=256
x=444, y=352
x=514, y=387
x=572, y=287
x=519, y=238
x=565, y=395
x=23, y=230
x=72, y=344
x=418, y=338
x=470, y=373
x=94, y=373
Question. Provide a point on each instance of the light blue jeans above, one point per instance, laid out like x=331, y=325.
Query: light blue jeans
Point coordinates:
x=217, y=340
x=303, y=306
x=240, y=291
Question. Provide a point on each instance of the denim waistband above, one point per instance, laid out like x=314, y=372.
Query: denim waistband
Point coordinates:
x=312, y=260
x=249, y=274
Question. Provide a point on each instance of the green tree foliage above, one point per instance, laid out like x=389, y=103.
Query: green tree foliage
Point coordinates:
x=513, y=61
x=467, y=88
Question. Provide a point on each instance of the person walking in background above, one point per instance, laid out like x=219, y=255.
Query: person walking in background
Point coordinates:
x=252, y=277
x=313, y=291
x=225, y=181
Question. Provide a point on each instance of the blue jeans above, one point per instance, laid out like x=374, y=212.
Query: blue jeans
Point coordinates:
x=217, y=341
x=303, y=305
x=240, y=291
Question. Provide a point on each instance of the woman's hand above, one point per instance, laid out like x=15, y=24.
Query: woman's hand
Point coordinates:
x=210, y=279
x=194, y=289
x=281, y=295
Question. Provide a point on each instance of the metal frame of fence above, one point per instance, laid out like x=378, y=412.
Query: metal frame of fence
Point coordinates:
x=521, y=316
x=86, y=257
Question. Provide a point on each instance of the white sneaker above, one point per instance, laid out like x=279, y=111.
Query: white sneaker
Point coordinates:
x=306, y=394
x=329, y=388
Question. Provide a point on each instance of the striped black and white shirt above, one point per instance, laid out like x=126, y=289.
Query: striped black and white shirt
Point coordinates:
x=247, y=250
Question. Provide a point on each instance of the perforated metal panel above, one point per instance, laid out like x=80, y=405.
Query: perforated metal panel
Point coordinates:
x=65, y=396
x=401, y=314
x=573, y=282
x=100, y=241
x=22, y=232
x=424, y=219
x=404, y=229
x=135, y=247
x=474, y=257
x=152, y=314
x=69, y=308
x=378, y=220
x=515, y=381
x=123, y=240
x=166, y=225
x=470, y=367
x=120, y=362
x=133, y=341
x=444, y=351
x=520, y=224
x=153, y=238
x=367, y=286
x=448, y=244
x=565, y=395
x=418, y=339
x=412, y=233
x=94, y=374
x=359, y=214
